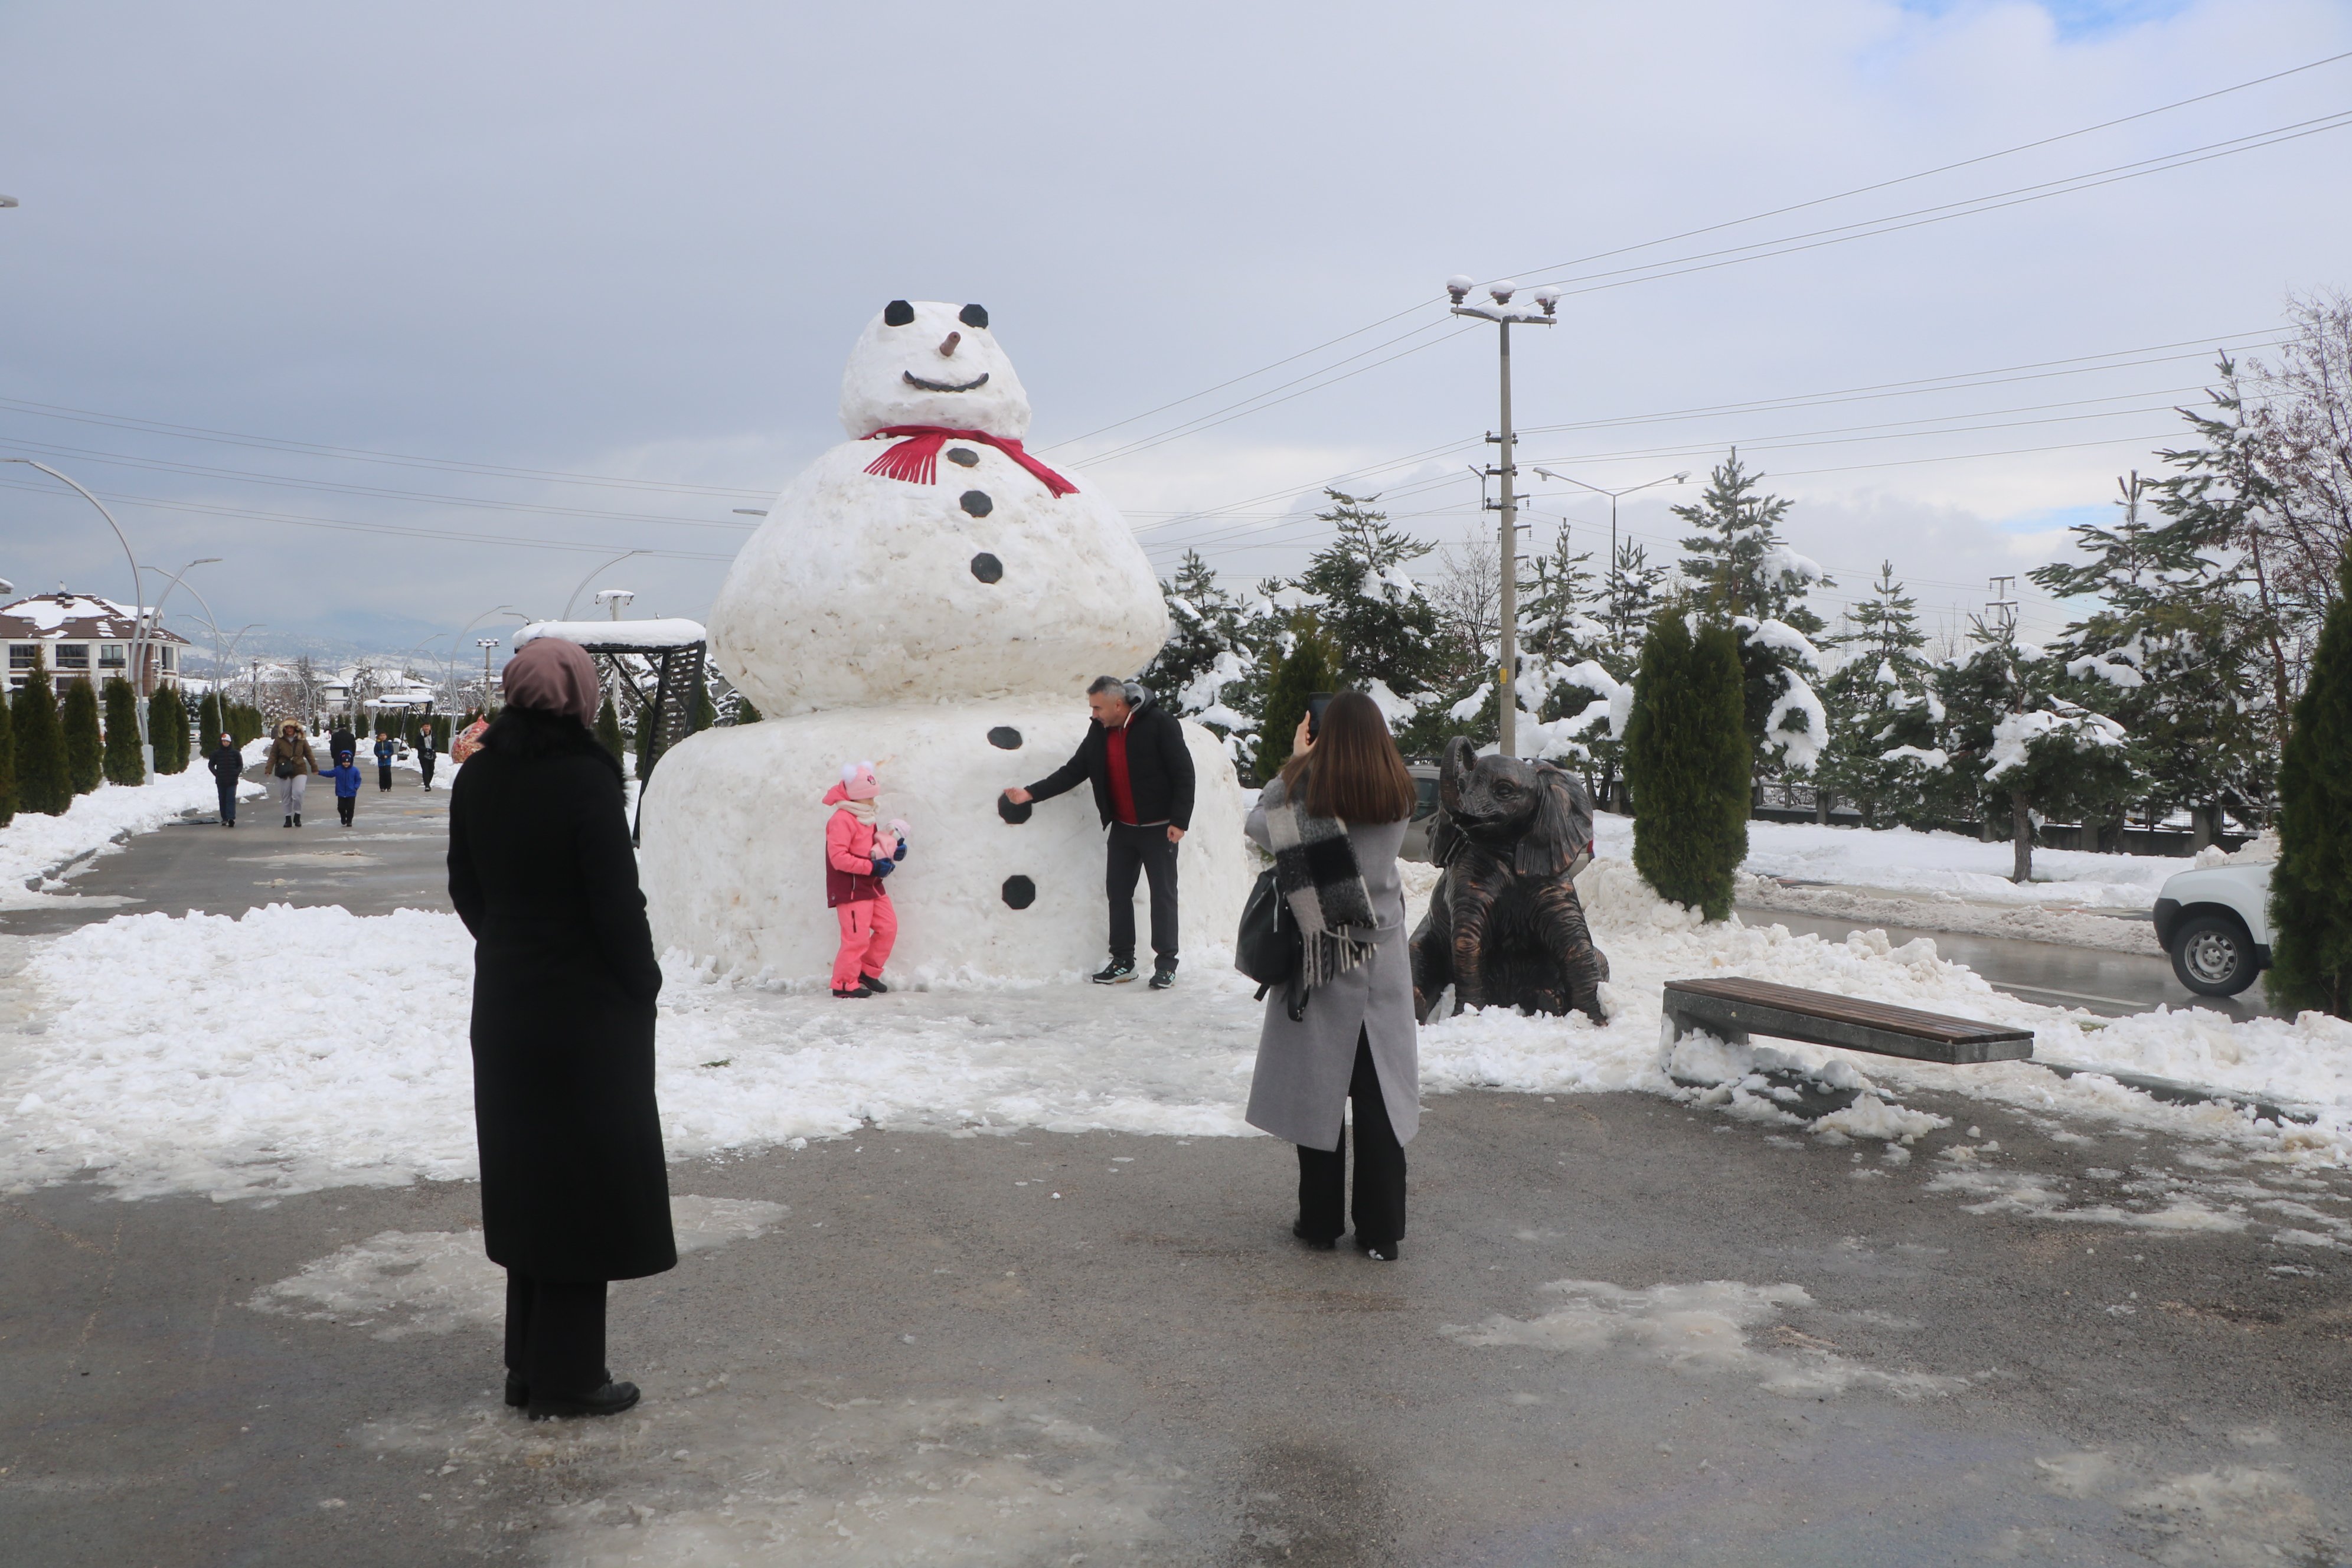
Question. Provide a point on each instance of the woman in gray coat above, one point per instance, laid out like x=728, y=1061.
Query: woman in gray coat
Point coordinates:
x=1334, y=821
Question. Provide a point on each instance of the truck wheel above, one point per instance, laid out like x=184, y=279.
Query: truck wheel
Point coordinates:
x=2213, y=956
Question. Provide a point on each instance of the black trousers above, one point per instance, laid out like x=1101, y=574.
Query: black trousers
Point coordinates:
x=344, y=805
x=1148, y=851
x=555, y=1334
x=227, y=801
x=383, y=776
x=1380, y=1168
x=425, y=766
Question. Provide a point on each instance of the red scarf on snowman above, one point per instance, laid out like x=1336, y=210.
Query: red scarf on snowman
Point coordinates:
x=915, y=458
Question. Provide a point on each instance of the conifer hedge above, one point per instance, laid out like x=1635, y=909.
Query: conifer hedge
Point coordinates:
x=2311, y=886
x=608, y=730
x=1686, y=761
x=124, y=765
x=41, y=782
x=84, y=746
x=8, y=768
x=1307, y=668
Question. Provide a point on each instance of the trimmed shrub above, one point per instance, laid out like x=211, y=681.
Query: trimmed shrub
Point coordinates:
x=8, y=768
x=42, y=784
x=85, y=745
x=1687, y=759
x=608, y=730
x=1307, y=668
x=2311, y=886
x=122, y=761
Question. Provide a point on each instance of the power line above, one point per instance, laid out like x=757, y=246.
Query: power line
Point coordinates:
x=343, y=525
x=244, y=476
x=356, y=454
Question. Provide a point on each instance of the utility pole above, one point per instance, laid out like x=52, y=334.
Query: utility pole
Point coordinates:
x=1503, y=316
x=485, y=644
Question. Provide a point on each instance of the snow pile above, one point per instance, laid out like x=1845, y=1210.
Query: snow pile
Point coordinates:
x=1698, y=1329
x=34, y=848
x=652, y=635
x=293, y=1050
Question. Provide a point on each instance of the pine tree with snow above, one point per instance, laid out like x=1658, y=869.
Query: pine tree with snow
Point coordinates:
x=1687, y=759
x=84, y=746
x=2176, y=645
x=1204, y=671
x=1304, y=669
x=1377, y=622
x=2311, y=886
x=8, y=768
x=2031, y=744
x=1886, y=719
x=1743, y=574
x=42, y=784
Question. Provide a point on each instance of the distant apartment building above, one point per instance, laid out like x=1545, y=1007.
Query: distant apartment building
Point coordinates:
x=83, y=634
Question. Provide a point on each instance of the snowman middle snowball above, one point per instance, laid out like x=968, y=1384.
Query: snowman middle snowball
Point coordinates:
x=971, y=577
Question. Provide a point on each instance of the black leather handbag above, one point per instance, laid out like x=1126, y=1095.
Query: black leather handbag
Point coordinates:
x=1268, y=948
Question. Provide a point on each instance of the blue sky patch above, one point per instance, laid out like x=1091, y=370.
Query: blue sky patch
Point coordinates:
x=2075, y=19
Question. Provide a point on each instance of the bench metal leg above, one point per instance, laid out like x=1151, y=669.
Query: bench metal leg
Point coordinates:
x=1673, y=1025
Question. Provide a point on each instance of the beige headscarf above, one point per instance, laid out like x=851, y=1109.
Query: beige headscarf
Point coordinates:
x=555, y=676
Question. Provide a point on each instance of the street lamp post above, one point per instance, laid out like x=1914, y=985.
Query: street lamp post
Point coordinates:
x=485, y=644
x=608, y=565
x=449, y=666
x=1613, y=495
x=149, y=621
x=1501, y=314
x=146, y=749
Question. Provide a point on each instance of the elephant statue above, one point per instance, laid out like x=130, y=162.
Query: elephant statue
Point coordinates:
x=1504, y=927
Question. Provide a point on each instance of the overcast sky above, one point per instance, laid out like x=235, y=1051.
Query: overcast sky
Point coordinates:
x=634, y=244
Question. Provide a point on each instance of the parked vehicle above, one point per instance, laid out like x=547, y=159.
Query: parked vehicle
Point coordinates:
x=2216, y=925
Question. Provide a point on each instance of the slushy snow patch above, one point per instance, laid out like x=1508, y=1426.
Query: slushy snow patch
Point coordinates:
x=34, y=848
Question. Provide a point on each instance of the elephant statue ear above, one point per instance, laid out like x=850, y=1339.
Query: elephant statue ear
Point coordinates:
x=1455, y=763
x=1562, y=832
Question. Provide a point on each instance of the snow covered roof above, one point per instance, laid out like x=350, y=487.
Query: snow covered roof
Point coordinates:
x=74, y=617
x=635, y=636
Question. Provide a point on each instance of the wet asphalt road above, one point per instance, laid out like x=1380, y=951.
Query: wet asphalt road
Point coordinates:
x=1030, y=1348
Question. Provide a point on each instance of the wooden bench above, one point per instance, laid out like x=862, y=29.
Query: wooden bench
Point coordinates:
x=1732, y=1010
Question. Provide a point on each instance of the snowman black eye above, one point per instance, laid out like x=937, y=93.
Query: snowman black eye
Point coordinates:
x=973, y=315
x=897, y=313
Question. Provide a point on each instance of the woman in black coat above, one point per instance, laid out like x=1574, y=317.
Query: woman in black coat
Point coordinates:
x=574, y=1189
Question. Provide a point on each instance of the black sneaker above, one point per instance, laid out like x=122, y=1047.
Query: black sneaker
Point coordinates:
x=1117, y=972
x=1163, y=974
x=854, y=993
x=1379, y=1251
x=874, y=983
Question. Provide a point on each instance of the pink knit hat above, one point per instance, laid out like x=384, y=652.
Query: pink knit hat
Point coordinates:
x=556, y=676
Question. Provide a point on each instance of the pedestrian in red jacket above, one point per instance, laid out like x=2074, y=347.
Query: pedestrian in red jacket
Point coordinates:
x=859, y=853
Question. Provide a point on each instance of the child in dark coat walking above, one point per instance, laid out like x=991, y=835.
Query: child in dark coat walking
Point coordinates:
x=347, y=786
x=384, y=755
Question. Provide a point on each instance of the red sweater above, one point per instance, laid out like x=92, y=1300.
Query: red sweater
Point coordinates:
x=1122, y=792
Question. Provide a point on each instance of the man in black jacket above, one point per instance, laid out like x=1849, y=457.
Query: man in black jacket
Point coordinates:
x=1134, y=755
x=228, y=766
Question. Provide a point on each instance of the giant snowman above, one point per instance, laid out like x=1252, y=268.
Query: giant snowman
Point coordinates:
x=928, y=597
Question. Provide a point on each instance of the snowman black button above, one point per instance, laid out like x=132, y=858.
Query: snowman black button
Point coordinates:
x=963, y=457
x=1020, y=892
x=1004, y=738
x=977, y=503
x=987, y=567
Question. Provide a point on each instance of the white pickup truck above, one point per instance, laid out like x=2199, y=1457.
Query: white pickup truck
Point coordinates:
x=2215, y=922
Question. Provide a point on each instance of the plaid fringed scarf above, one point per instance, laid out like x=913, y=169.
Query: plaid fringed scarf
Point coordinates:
x=1315, y=866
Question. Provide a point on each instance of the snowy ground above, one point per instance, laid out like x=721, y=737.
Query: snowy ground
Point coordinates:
x=1945, y=881
x=34, y=848
x=131, y=1051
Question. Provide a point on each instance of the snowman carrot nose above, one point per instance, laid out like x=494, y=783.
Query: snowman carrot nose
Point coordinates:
x=948, y=344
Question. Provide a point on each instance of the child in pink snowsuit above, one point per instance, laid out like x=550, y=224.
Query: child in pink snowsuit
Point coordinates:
x=858, y=854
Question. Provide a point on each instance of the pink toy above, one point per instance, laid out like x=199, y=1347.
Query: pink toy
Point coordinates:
x=859, y=854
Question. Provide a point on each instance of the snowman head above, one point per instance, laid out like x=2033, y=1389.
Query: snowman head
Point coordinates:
x=927, y=364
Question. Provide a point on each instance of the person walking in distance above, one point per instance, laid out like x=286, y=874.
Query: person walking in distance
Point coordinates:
x=346, y=776
x=1135, y=756
x=226, y=764
x=574, y=1191
x=292, y=763
x=341, y=740
x=384, y=751
x=426, y=753
x=1333, y=821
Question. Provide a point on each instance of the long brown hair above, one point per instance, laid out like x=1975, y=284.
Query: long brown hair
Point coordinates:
x=1354, y=773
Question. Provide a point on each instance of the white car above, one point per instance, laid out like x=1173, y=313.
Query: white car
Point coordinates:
x=2216, y=925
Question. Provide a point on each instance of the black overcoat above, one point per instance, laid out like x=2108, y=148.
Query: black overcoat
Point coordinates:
x=541, y=870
